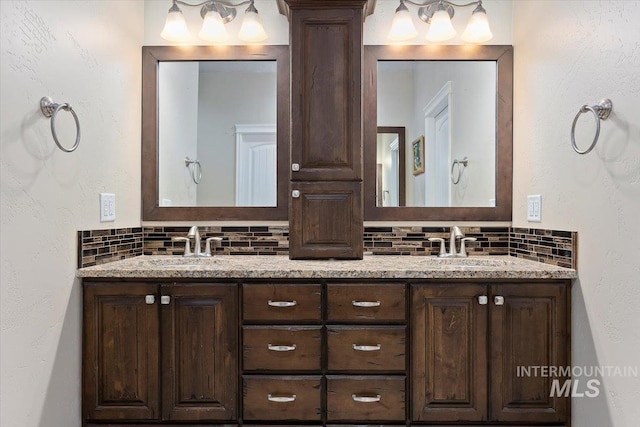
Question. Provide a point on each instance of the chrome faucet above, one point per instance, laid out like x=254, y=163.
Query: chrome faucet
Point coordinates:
x=454, y=235
x=194, y=234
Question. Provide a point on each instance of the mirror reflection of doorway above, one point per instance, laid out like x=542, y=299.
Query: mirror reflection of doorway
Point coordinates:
x=256, y=165
x=438, y=148
x=391, y=168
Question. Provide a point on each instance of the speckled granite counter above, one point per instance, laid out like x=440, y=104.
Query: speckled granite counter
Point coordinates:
x=371, y=267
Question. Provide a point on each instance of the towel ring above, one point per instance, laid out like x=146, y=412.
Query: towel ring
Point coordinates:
x=51, y=109
x=464, y=162
x=195, y=168
x=600, y=112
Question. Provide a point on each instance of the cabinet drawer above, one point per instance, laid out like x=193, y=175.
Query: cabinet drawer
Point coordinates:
x=365, y=398
x=372, y=348
x=282, y=398
x=282, y=303
x=282, y=348
x=366, y=302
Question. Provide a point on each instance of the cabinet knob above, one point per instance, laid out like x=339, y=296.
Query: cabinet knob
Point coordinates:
x=150, y=299
x=366, y=399
x=295, y=194
x=295, y=167
x=165, y=300
x=272, y=347
x=483, y=300
x=281, y=399
x=498, y=300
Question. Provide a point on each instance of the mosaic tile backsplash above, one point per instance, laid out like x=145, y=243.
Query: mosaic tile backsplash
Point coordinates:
x=548, y=246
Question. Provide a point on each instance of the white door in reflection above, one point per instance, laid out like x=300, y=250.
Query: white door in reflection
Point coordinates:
x=256, y=165
x=443, y=153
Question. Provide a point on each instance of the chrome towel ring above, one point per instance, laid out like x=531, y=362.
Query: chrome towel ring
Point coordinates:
x=195, y=168
x=456, y=175
x=51, y=109
x=600, y=112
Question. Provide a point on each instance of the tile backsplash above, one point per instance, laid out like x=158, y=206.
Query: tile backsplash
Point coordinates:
x=547, y=246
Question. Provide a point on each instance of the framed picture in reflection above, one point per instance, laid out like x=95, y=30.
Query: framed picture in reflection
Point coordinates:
x=417, y=148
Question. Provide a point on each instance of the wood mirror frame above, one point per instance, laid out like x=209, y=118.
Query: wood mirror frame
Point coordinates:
x=151, y=56
x=503, y=55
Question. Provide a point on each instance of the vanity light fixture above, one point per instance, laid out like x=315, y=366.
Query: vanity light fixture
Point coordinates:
x=215, y=14
x=438, y=14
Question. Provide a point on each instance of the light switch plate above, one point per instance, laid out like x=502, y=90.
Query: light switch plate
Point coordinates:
x=534, y=208
x=107, y=207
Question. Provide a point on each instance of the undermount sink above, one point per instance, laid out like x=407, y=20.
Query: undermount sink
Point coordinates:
x=183, y=262
x=475, y=262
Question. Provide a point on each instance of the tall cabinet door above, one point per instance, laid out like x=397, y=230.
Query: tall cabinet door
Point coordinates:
x=326, y=90
x=120, y=339
x=449, y=353
x=199, y=339
x=529, y=328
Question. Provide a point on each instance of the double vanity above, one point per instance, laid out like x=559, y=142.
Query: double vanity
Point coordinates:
x=245, y=340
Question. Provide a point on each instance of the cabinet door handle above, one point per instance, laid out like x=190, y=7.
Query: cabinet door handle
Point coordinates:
x=282, y=303
x=272, y=347
x=281, y=399
x=483, y=300
x=366, y=399
x=498, y=300
x=365, y=303
x=150, y=299
x=359, y=347
x=165, y=300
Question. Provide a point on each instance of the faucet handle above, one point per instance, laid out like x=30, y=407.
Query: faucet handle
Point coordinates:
x=187, y=244
x=443, y=252
x=207, y=248
x=463, y=250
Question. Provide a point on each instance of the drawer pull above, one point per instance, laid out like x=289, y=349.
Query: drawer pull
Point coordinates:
x=282, y=303
x=365, y=303
x=358, y=347
x=281, y=347
x=281, y=399
x=366, y=399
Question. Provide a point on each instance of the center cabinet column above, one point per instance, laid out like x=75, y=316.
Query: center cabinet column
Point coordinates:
x=326, y=207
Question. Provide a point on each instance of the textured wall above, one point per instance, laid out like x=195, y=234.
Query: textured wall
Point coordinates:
x=86, y=53
x=567, y=55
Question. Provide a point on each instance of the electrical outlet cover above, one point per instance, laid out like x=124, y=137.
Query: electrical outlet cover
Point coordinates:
x=107, y=207
x=534, y=208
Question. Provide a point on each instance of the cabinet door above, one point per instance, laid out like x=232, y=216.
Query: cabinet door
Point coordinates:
x=529, y=328
x=199, y=352
x=326, y=91
x=120, y=362
x=449, y=353
x=326, y=220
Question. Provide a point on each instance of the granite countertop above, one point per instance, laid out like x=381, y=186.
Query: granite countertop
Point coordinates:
x=371, y=267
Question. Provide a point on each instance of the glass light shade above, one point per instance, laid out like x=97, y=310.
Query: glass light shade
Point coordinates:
x=213, y=29
x=440, y=29
x=477, y=30
x=175, y=27
x=402, y=27
x=252, y=30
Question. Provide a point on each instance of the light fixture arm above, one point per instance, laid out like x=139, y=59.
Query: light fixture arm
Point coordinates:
x=429, y=7
x=226, y=9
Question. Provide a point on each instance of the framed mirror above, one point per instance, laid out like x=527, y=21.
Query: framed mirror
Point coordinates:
x=215, y=133
x=455, y=104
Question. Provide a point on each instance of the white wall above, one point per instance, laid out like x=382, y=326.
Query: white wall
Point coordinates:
x=155, y=11
x=567, y=54
x=228, y=99
x=86, y=53
x=178, y=131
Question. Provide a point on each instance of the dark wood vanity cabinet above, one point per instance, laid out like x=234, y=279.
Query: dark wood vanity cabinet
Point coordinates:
x=326, y=210
x=468, y=342
x=323, y=352
x=160, y=352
